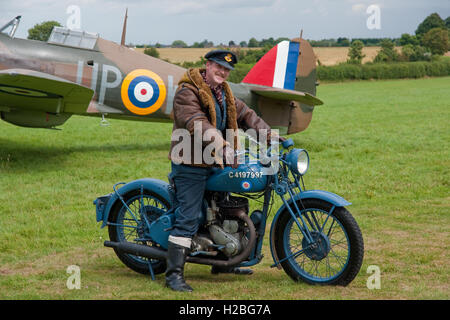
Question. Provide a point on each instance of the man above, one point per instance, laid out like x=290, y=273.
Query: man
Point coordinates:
x=203, y=101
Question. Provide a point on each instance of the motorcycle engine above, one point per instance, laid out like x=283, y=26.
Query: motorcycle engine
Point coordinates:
x=227, y=232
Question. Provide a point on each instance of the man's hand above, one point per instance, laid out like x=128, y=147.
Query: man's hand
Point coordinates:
x=229, y=157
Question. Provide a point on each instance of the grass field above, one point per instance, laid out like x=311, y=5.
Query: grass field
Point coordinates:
x=383, y=145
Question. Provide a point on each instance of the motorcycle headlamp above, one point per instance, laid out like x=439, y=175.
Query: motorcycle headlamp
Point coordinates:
x=298, y=161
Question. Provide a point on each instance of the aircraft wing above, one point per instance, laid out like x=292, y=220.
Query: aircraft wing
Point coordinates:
x=285, y=94
x=23, y=89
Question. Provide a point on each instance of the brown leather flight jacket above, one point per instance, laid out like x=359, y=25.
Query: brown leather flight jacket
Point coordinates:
x=194, y=102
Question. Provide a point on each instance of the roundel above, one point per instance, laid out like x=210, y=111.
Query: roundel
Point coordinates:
x=143, y=92
x=246, y=185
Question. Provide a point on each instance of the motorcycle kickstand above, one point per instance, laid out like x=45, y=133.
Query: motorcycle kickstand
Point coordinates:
x=150, y=268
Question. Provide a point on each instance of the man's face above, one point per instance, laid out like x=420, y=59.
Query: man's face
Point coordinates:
x=215, y=73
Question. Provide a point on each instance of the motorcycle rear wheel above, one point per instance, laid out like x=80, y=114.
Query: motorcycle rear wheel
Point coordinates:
x=124, y=227
x=336, y=256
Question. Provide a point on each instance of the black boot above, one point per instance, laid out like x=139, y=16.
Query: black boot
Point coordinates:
x=235, y=270
x=176, y=258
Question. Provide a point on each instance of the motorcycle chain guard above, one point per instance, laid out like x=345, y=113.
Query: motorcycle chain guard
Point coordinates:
x=160, y=229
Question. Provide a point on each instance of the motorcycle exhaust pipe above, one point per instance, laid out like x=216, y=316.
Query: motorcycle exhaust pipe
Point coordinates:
x=138, y=249
x=160, y=254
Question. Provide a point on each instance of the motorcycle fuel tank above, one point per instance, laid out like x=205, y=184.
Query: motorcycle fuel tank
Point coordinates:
x=249, y=177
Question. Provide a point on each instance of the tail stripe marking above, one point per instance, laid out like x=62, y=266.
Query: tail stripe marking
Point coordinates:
x=291, y=69
x=277, y=68
x=280, y=65
x=262, y=72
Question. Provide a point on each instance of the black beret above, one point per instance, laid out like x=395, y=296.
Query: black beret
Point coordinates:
x=223, y=57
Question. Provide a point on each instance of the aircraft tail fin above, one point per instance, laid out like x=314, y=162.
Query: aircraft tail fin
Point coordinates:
x=277, y=68
x=289, y=65
x=284, y=83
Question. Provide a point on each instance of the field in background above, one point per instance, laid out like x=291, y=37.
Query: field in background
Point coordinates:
x=382, y=145
x=334, y=55
x=178, y=55
x=327, y=56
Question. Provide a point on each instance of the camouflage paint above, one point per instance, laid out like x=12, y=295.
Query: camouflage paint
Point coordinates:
x=103, y=70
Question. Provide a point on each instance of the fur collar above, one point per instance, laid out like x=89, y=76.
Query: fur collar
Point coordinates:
x=193, y=77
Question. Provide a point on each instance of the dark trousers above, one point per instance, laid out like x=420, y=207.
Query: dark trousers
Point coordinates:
x=190, y=184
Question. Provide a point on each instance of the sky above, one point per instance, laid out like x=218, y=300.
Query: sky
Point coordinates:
x=163, y=21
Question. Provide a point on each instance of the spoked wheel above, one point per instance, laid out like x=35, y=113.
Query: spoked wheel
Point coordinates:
x=333, y=252
x=129, y=225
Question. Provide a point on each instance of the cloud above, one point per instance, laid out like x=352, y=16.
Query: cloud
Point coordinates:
x=184, y=7
x=178, y=7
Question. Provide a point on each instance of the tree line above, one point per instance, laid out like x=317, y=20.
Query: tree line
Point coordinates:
x=431, y=38
x=251, y=43
x=430, y=22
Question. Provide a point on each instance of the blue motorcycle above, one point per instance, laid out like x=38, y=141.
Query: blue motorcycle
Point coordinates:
x=313, y=237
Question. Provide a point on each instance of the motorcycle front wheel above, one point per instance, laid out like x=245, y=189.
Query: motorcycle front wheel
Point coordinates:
x=128, y=225
x=331, y=254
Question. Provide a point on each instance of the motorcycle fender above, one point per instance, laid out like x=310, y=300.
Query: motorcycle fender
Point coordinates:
x=104, y=204
x=330, y=197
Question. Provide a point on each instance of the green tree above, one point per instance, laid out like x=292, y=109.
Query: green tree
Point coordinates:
x=42, y=31
x=407, y=52
x=355, y=54
x=179, y=44
x=152, y=51
x=447, y=22
x=281, y=39
x=430, y=22
x=252, y=56
x=414, y=53
x=267, y=42
x=206, y=44
x=408, y=39
x=343, y=42
x=387, y=52
x=436, y=40
x=253, y=43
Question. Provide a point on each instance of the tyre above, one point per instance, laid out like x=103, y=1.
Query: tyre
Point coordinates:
x=335, y=254
x=129, y=226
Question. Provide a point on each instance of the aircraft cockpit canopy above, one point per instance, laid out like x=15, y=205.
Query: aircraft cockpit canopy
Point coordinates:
x=14, y=24
x=73, y=38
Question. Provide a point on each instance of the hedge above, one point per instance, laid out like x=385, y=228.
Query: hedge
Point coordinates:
x=239, y=72
x=378, y=71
